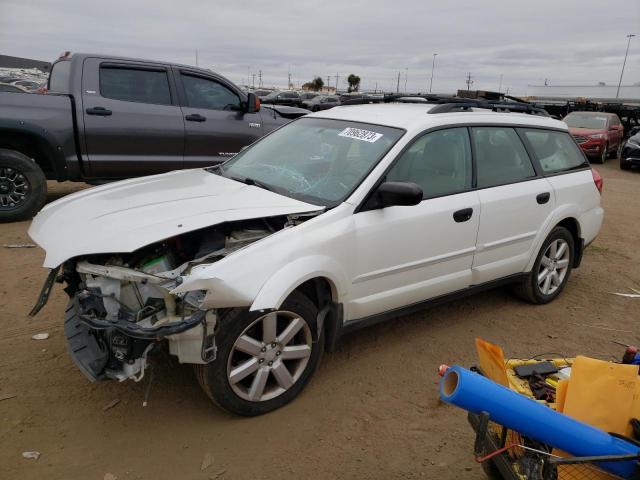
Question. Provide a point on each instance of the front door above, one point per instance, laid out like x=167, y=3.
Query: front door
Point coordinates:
x=216, y=125
x=132, y=122
x=405, y=255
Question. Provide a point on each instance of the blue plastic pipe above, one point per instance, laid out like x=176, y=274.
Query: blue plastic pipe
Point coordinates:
x=475, y=393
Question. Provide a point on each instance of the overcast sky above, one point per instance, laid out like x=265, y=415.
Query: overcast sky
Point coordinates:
x=566, y=41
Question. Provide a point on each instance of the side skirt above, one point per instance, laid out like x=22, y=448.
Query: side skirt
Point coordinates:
x=359, y=323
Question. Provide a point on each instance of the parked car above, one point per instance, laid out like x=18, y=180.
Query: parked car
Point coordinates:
x=284, y=112
x=338, y=220
x=283, y=98
x=599, y=134
x=321, y=102
x=107, y=118
x=630, y=155
x=308, y=95
x=261, y=93
x=6, y=87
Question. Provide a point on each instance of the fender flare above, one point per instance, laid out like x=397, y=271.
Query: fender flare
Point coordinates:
x=280, y=285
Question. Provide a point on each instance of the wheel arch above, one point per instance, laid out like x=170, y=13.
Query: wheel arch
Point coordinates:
x=33, y=146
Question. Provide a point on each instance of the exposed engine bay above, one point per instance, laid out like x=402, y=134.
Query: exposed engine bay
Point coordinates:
x=121, y=305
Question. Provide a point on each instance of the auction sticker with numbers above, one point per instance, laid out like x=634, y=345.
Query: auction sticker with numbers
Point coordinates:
x=360, y=134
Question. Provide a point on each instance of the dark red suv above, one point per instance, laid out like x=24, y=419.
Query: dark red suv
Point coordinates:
x=598, y=133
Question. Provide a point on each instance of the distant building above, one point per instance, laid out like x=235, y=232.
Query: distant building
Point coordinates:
x=600, y=91
x=7, y=61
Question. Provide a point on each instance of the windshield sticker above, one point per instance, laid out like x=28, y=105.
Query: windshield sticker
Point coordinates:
x=359, y=134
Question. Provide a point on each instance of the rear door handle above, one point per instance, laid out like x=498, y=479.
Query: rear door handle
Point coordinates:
x=543, y=198
x=463, y=215
x=195, y=117
x=100, y=111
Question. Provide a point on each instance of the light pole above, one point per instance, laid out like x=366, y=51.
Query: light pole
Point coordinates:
x=630, y=36
x=433, y=66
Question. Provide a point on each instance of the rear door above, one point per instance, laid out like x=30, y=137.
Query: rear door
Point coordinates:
x=216, y=125
x=514, y=202
x=132, y=122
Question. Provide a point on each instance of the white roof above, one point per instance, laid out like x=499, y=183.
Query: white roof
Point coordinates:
x=415, y=116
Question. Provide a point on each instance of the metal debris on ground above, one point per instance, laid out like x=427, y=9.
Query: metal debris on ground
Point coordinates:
x=111, y=404
x=109, y=476
x=218, y=474
x=6, y=396
x=19, y=245
x=628, y=295
x=207, y=461
x=31, y=455
x=40, y=336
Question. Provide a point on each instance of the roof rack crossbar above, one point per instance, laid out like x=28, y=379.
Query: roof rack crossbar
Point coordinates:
x=446, y=104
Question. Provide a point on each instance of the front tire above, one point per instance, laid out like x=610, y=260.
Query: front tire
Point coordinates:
x=265, y=359
x=551, y=270
x=23, y=186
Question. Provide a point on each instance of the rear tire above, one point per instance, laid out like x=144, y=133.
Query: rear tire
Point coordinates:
x=551, y=270
x=280, y=368
x=23, y=186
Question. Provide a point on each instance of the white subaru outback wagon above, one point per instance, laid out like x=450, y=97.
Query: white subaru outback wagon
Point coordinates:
x=251, y=269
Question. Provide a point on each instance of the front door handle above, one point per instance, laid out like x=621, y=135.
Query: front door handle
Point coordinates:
x=195, y=117
x=543, y=198
x=463, y=215
x=100, y=111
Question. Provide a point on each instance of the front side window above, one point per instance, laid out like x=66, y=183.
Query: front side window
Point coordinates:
x=500, y=157
x=315, y=160
x=206, y=93
x=439, y=162
x=556, y=151
x=135, y=85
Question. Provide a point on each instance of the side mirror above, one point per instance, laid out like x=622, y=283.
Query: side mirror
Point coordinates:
x=253, y=103
x=391, y=194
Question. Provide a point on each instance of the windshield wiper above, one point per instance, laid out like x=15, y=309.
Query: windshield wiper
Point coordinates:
x=253, y=182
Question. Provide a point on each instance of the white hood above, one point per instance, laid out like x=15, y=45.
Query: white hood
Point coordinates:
x=127, y=215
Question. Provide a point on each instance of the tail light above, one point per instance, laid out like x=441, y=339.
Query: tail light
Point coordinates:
x=257, y=103
x=597, y=179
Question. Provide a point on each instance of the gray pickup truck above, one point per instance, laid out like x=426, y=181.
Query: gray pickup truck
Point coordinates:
x=106, y=118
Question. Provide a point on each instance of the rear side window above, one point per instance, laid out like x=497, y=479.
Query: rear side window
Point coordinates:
x=205, y=93
x=440, y=162
x=555, y=151
x=500, y=157
x=135, y=85
x=59, y=77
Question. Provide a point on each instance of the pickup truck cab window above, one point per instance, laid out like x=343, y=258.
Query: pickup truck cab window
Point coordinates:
x=59, y=77
x=556, y=151
x=500, y=157
x=206, y=93
x=135, y=85
x=439, y=162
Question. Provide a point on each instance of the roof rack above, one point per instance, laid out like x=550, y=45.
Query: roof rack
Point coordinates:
x=446, y=104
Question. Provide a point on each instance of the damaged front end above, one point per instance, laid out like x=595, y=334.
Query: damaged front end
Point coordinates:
x=122, y=305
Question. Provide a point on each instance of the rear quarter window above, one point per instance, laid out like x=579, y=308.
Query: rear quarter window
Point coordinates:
x=59, y=77
x=555, y=151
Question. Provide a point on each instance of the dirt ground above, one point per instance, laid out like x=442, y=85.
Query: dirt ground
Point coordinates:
x=371, y=411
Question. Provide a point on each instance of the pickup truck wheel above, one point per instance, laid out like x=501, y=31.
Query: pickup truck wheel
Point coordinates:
x=23, y=186
x=264, y=360
x=551, y=269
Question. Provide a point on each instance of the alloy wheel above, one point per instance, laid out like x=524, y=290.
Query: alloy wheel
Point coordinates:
x=269, y=356
x=14, y=188
x=554, y=266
